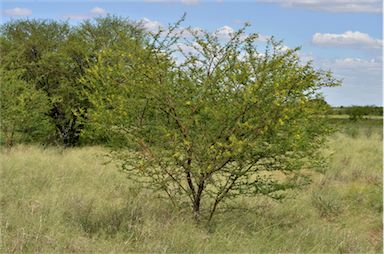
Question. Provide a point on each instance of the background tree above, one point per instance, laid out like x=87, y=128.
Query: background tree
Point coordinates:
x=51, y=56
x=226, y=121
x=358, y=111
x=34, y=49
x=24, y=111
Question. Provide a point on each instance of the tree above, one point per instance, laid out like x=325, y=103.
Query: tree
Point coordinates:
x=52, y=56
x=33, y=48
x=24, y=111
x=356, y=112
x=221, y=120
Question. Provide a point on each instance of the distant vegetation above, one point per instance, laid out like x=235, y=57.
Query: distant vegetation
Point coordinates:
x=357, y=112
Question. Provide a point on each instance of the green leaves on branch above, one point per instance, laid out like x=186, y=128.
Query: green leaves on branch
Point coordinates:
x=52, y=57
x=23, y=111
x=209, y=118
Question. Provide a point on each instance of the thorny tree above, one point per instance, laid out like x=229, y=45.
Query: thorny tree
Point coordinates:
x=210, y=118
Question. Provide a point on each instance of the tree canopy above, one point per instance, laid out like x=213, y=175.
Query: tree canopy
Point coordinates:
x=22, y=111
x=220, y=120
x=52, y=56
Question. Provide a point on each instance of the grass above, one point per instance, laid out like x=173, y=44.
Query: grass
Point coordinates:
x=366, y=117
x=61, y=201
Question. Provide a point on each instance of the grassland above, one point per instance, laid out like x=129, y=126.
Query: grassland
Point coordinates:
x=68, y=201
x=367, y=117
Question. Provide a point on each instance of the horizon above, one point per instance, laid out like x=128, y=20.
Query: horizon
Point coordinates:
x=343, y=38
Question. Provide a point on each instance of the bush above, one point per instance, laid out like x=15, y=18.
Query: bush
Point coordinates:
x=217, y=123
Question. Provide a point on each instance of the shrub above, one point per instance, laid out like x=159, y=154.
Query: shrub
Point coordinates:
x=222, y=120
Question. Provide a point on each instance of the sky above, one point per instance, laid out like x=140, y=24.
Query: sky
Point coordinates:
x=344, y=36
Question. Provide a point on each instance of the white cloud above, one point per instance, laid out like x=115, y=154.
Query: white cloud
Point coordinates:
x=224, y=32
x=332, y=5
x=358, y=63
x=81, y=16
x=264, y=38
x=284, y=48
x=348, y=39
x=194, y=30
x=362, y=81
x=154, y=26
x=98, y=10
x=151, y=25
x=17, y=11
x=305, y=57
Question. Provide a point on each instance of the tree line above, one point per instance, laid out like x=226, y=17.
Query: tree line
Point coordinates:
x=357, y=112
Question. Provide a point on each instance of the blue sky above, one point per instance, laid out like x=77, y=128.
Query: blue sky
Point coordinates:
x=344, y=36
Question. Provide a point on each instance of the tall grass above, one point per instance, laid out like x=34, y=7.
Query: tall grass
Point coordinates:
x=55, y=200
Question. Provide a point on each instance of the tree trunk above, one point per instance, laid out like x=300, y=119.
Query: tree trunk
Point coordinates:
x=9, y=140
x=196, y=210
x=197, y=200
x=213, y=210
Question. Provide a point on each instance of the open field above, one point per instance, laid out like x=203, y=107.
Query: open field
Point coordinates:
x=55, y=200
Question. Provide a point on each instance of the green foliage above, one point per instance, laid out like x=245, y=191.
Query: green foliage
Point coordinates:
x=358, y=112
x=23, y=111
x=223, y=121
x=52, y=56
x=35, y=49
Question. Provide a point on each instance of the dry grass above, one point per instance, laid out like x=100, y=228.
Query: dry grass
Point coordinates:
x=62, y=201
